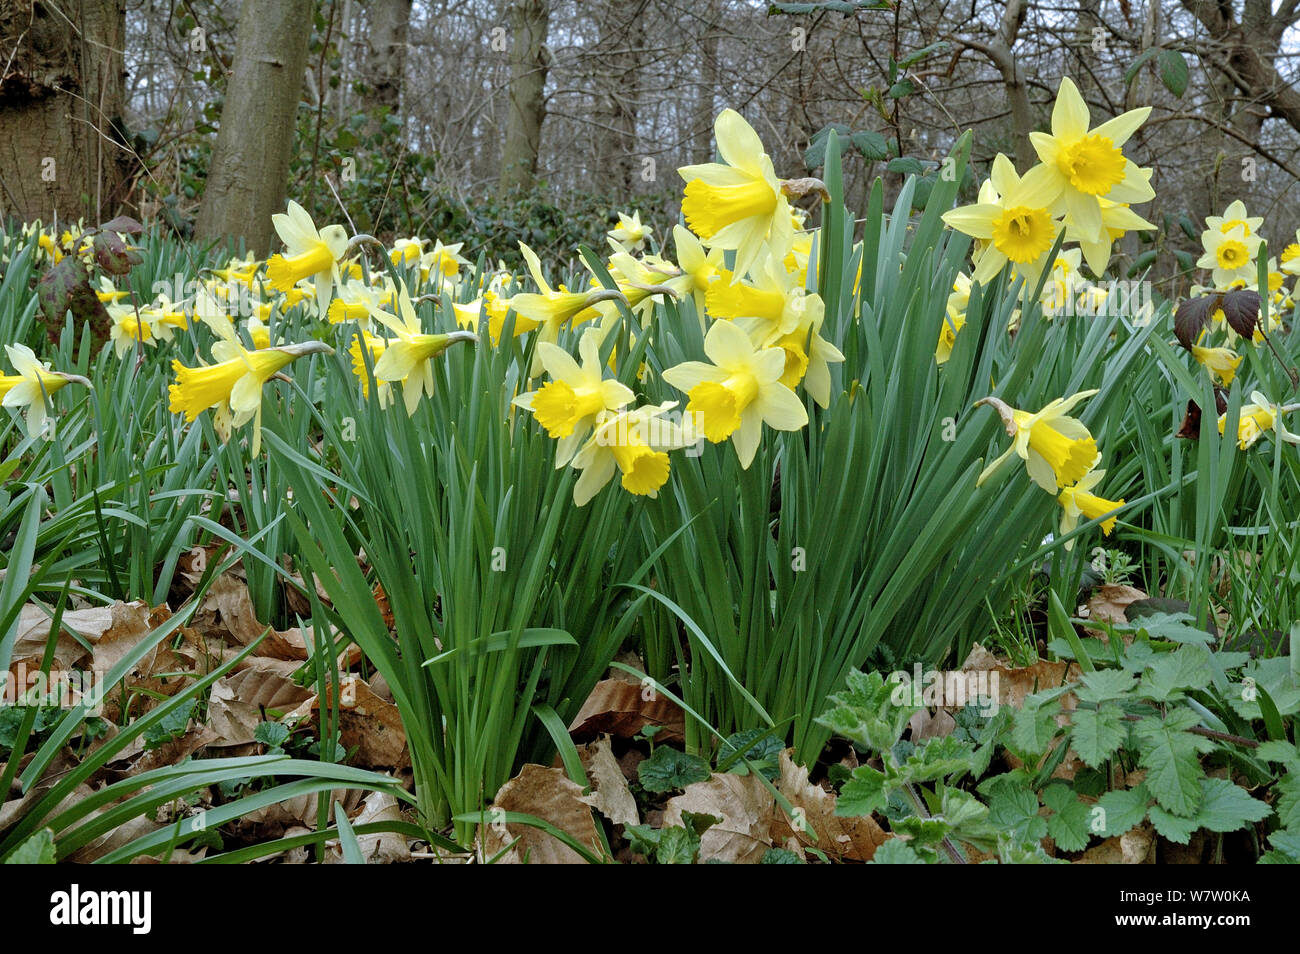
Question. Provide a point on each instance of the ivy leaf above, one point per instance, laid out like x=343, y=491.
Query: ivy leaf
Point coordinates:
x=1068, y=823
x=1120, y=811
x=1097, y=733
x=1173, y=71
x=271, y=734
x=669, y=769
x=1169, y=754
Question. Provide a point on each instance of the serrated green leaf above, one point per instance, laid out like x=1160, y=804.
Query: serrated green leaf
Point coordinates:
x=863, y=794
x=1176, y=828
x=1170, y=756
x=896, y=851
x=1035, y=727
x=1228, y=807
x=1013, y=807
x=872, y=712
x=1172, y=675
x=1068, y=823
x=1120, y=811
x=1097, y=733
x=1102, y=684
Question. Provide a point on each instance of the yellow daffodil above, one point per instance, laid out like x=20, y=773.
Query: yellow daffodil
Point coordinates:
x=29, y=387
x=375, y=345
x=406, y=251
x=1078, y=501
x=550, y=308
x=808, y=356
x=739, y=392
x=1221, y=363
x=233, y=386
x=408, y=358
x=634, y=444
x=1116, y=220
x=108, y=293
x=309, y=254
x=630, y=233
x=699, y=268
x=356, y=300
x=1012, y=218
x=568, y=405
x=1230, y=255
x=442, y=264
x=772, y=296
x=1057, y=449
x=954, y=318
x=1234, y=216
x=739, y=203
x=1085, y=165
x=1290, y=256
x=1258, y=416
x=130, y=328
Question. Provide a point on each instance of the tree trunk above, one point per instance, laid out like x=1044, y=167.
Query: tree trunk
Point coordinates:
x=249, y=173
x=61, y=98
x=385, y=54
x=531, y=20
x=702, y=125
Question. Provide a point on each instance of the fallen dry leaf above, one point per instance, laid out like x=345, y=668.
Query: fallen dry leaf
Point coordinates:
x=34, y=631
x=239, y=702
x=610, y=794
x=745, y=806
x=622, y=709
x=386, y=847
x=549, y=794
x=848, y=839
x=228, y=607
x=1108, y=603
x=1134, y=847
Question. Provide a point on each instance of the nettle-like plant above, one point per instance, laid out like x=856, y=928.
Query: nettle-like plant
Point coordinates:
x=1164, y=729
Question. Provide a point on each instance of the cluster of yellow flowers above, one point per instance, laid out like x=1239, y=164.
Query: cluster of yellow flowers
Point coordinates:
x=1232, y=244
x=1083, y=184
x=762, y=327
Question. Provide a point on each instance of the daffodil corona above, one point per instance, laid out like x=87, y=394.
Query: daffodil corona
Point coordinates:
x=1057, y=449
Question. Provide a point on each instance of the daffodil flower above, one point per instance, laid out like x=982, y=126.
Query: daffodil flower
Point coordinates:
x=1078, y=501
x=406, y=251
x=739, y=203
x=1012, y=218
x=1290, y=256
x=954, y=318
x=443, y=263
x=233, y=386
x=356, y=300
x=1116, y=220
x=1084, y=165
x=633, y=444
x=129, y=329
x=550, y=308
x=108, y=293
x=29, y=387
x=772, y=295
x=310, y=254
x=1220, y=362
x=739, y=392
x=375, y=345
x=408, y=358
x=630, y=232
x=1258, y=416
x=1230, y=255
x=1057, y=449
x=577, y=394
x=699, y=268
x=1234, y=216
